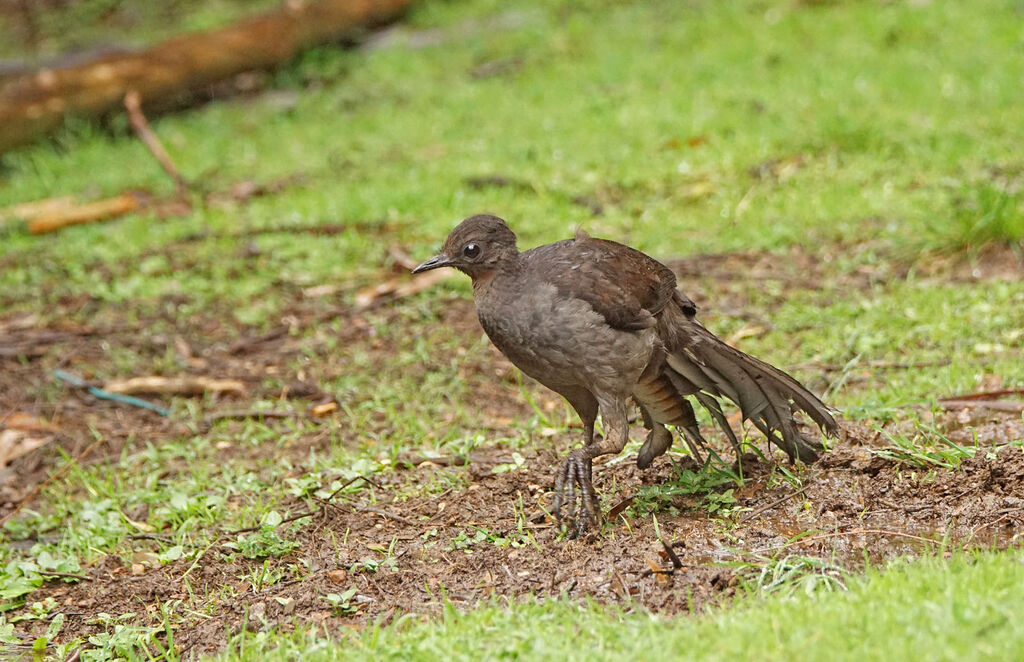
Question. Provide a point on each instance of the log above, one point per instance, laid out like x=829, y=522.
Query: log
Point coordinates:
x=35, y=104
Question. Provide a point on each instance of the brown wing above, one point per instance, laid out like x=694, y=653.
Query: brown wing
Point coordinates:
x=624, y=285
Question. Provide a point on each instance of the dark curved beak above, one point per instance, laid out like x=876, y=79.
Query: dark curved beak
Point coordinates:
x=435, y=262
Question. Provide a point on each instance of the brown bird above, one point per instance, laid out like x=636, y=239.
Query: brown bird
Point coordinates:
x=599, y=323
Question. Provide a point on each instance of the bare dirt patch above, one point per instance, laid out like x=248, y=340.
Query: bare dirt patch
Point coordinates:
x=406, y=555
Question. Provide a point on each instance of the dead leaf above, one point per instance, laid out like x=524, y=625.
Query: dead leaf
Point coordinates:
x=15, y=443
x=656, y=570
x=324, y=409
x=620, y=507
x=20, y=420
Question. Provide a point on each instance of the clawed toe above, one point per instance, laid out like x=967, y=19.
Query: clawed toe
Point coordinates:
x=574, y=489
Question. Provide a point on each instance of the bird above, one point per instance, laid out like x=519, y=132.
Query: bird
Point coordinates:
x=603, y=325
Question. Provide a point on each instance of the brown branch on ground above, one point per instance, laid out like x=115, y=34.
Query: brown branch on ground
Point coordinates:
x=987, y=395
x=35, y=104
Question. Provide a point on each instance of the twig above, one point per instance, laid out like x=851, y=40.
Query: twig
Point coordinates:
x=140, y=125
x=995, y=405
x=159, y=537
x=252, y=413
x=982, y=527
x=68, y=575
x=983, y=396
x=771, y=505
x=57, y=474
x=352, y=480
x=876, y=365
x=441, y=460
x=386, y=513
x=854, y=532
x=292, y=518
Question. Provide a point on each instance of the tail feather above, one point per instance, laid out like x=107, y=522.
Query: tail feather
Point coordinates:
x=701, y=365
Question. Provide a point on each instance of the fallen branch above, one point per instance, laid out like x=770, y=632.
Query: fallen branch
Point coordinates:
x=35, y=104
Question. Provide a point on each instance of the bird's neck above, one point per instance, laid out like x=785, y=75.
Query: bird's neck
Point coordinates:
x=485, y=279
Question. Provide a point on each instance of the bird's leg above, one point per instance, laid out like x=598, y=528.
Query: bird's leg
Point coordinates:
x=577, y=470
x=565, y=491
x=659, y=440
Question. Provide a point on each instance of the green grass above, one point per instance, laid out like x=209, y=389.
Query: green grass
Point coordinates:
x=931, y=609
x=872, y=136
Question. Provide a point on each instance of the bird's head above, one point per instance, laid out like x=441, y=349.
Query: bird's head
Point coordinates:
x=477, y=246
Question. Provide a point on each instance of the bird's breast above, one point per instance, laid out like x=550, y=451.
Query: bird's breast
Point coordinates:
x=558, y=338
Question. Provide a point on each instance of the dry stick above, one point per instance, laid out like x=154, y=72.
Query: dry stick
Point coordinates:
x=140, y=125
x=774, y=503
x=352, y=480
x=984, y=395
x=57, y=474
x=995, y=405
x=982, y=527
x=386, y=513
x=855, y=532
x=310, y=513
x=253, y=413
x=292, y=518
x=68, y=575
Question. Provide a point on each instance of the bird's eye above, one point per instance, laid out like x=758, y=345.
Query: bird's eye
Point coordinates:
x=471, y=250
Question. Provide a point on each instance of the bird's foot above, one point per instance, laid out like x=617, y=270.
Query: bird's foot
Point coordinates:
x=573, y=485
x=659, y=440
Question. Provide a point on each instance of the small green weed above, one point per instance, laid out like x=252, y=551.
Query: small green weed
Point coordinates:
x=343, y=603
x=926, y=448
x=791, y=574
x=705, y=483
x=982, y=216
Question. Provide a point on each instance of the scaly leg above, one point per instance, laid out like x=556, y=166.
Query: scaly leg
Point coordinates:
x=575, y=478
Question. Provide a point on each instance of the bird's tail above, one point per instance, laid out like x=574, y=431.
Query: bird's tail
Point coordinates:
x=699, y=364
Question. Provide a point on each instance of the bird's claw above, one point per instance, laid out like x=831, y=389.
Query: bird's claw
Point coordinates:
x=576, y=473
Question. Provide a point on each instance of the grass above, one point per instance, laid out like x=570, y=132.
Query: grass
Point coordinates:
x=932, y=609
x=869, y=137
